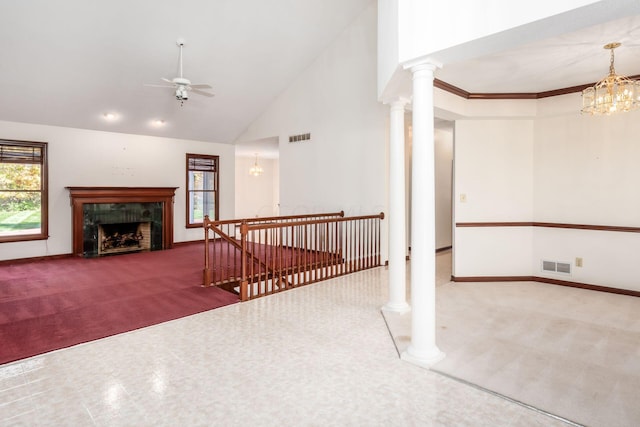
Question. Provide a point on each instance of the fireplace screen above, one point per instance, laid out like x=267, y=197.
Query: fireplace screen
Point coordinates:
x=111, y=228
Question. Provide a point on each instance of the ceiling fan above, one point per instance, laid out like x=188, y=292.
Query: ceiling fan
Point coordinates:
x=181, y=85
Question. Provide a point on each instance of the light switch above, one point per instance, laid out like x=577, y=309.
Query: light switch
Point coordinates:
x=463, y=198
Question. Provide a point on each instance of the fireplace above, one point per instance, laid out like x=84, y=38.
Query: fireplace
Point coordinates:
x=114, y=220
x=124, y=237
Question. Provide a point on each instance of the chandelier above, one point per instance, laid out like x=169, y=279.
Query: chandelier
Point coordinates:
x=613, y=94
x=256, y=170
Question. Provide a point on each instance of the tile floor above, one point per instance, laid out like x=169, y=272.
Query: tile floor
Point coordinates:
x=571, y=352
x=315, y=356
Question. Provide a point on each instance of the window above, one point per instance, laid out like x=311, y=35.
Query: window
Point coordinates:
x=202, y=188
x=23, y=191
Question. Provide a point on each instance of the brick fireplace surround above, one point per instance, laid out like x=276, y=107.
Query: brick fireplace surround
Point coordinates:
x=97, y=195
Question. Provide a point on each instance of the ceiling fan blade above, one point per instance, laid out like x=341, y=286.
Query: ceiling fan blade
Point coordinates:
x=166, y=80
x=201, y=86
x=152, y=85
x=201, y=92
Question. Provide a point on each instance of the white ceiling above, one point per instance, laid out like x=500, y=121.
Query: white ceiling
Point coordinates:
x=66, y=63
x=571, y=59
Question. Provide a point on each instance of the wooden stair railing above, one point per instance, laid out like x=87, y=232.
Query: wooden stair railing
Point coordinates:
x=222, y=263
x=306, y=251
x=261, y=256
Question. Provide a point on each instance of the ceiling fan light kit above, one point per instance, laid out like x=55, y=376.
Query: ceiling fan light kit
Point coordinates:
x=181, y=85
x=613, y=94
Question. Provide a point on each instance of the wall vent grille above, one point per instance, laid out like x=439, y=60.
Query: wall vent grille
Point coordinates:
x=556, y=267
x=300, y=138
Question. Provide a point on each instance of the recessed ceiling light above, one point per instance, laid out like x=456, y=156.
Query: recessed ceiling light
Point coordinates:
x=157, y=122
x=109, y=116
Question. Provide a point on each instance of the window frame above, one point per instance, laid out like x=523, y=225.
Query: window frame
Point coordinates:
x=44, y=191
x=188, y=190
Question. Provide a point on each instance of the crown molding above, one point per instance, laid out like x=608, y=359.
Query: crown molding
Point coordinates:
x=523, y=95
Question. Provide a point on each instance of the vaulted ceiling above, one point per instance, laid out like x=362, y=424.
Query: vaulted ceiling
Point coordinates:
x=67, y=63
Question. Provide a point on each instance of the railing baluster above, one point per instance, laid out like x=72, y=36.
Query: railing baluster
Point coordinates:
x=354, y=230
x=244, y=295
x=337, y=248
x=367, y=250
x=306, y=252
x=206, y=273
x=325, y=251
x=227, y=267
x=314, y=253
x=274, y=259
x=281, y=266
x=256, y=267
x=297, y=259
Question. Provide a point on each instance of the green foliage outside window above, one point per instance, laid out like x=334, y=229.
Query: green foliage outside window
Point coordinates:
x=19, y=187
x=21, y=192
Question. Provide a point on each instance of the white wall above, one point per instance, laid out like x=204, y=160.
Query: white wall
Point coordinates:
x=344, y=165
x=586, y=169
x=494, y=173
x=388, y=44
x=91, y=158
x=501, y=251
x=494, y=170
x=586, y=172
x=558, y=167
x=256, y=195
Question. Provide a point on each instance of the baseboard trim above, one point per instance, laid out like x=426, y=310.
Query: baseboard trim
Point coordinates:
x=547, y=280
x=61, y=256
x=34, y=259
x=187, y=242
x=493, y=279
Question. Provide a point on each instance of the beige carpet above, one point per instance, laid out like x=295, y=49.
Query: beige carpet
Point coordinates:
x=570, y=352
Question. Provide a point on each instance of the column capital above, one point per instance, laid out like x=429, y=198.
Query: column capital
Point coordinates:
x=422, y=63
x=397, y=102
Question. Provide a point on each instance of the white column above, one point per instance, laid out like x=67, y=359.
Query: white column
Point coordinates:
x=423, y=350
x=397, y=227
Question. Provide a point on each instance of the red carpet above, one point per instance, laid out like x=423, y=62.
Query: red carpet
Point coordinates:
x=52, y=304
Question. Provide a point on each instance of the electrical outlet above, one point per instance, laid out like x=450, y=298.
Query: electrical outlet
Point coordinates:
x=578, y=262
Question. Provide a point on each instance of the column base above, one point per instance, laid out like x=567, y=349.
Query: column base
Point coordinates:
x=424, y=359
x=400, y=308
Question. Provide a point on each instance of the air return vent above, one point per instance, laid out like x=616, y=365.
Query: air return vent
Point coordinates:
x=556, y=267
x=299, y=138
